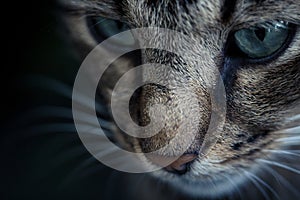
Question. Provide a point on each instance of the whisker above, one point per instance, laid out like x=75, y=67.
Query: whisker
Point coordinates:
x=85, y=163
x=289, y=140
x=285, y=152
x=70, y=154
x=44, y=113
x=98, y=22
x=68, y=128
x=265, y=184
x=87, y=118
x=95, y=131
x=294, y=118
x=65, y=91
x=62, y=112
x=279, y=165
x=51, y=84
x=293, y=130
x=257, y=185
x=234, y=185
x=281, y=180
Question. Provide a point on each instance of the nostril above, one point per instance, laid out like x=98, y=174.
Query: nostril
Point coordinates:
x=181, y=165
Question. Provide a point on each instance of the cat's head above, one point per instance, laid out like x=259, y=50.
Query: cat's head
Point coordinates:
x=251, y=48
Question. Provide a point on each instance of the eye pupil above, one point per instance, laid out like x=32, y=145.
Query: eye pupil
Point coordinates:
x=260, y=33
x=121, y=26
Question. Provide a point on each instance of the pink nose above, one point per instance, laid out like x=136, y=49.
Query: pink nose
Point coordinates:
x=180, y=166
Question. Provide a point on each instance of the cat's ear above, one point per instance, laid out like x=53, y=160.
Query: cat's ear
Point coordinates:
x=106, y=8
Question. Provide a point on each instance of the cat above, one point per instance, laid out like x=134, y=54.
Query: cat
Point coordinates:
x=255, y=47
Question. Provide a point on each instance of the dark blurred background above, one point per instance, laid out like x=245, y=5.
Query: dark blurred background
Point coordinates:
x=41, y=154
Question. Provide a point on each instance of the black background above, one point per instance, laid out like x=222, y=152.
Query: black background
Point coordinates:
x=39, y=164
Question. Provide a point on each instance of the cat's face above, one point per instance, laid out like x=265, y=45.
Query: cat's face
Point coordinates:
x=255, y=47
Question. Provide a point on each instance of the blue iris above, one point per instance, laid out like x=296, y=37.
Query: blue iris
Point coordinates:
x=261, y=42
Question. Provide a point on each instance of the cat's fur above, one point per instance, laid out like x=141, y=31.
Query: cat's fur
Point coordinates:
x=256, y=154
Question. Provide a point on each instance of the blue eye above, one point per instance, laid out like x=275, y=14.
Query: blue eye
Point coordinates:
x=103, y=28
x=259, y=43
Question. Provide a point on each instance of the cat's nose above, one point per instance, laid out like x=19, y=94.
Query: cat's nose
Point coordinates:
x=181, y=165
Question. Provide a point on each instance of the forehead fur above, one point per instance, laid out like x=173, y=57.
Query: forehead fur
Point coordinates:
x=199, y=11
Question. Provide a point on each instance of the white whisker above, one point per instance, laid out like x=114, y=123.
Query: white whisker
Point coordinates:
x=61, y=112
x=44, y=113
x=264, y=184
x=279, y=165
x=65, y=91
x=294, y=118
x=86, y=118
x=234, y=185
x=281, y=180
x=64, y=128
x=286, y=152
x=67, y=156
x=94, y=131
x=52, y=84
x=257, y=185
x=289, y=140
x=85, y=163
x=293, y=130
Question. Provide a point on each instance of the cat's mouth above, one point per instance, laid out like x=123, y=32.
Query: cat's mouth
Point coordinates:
x=180, y=166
